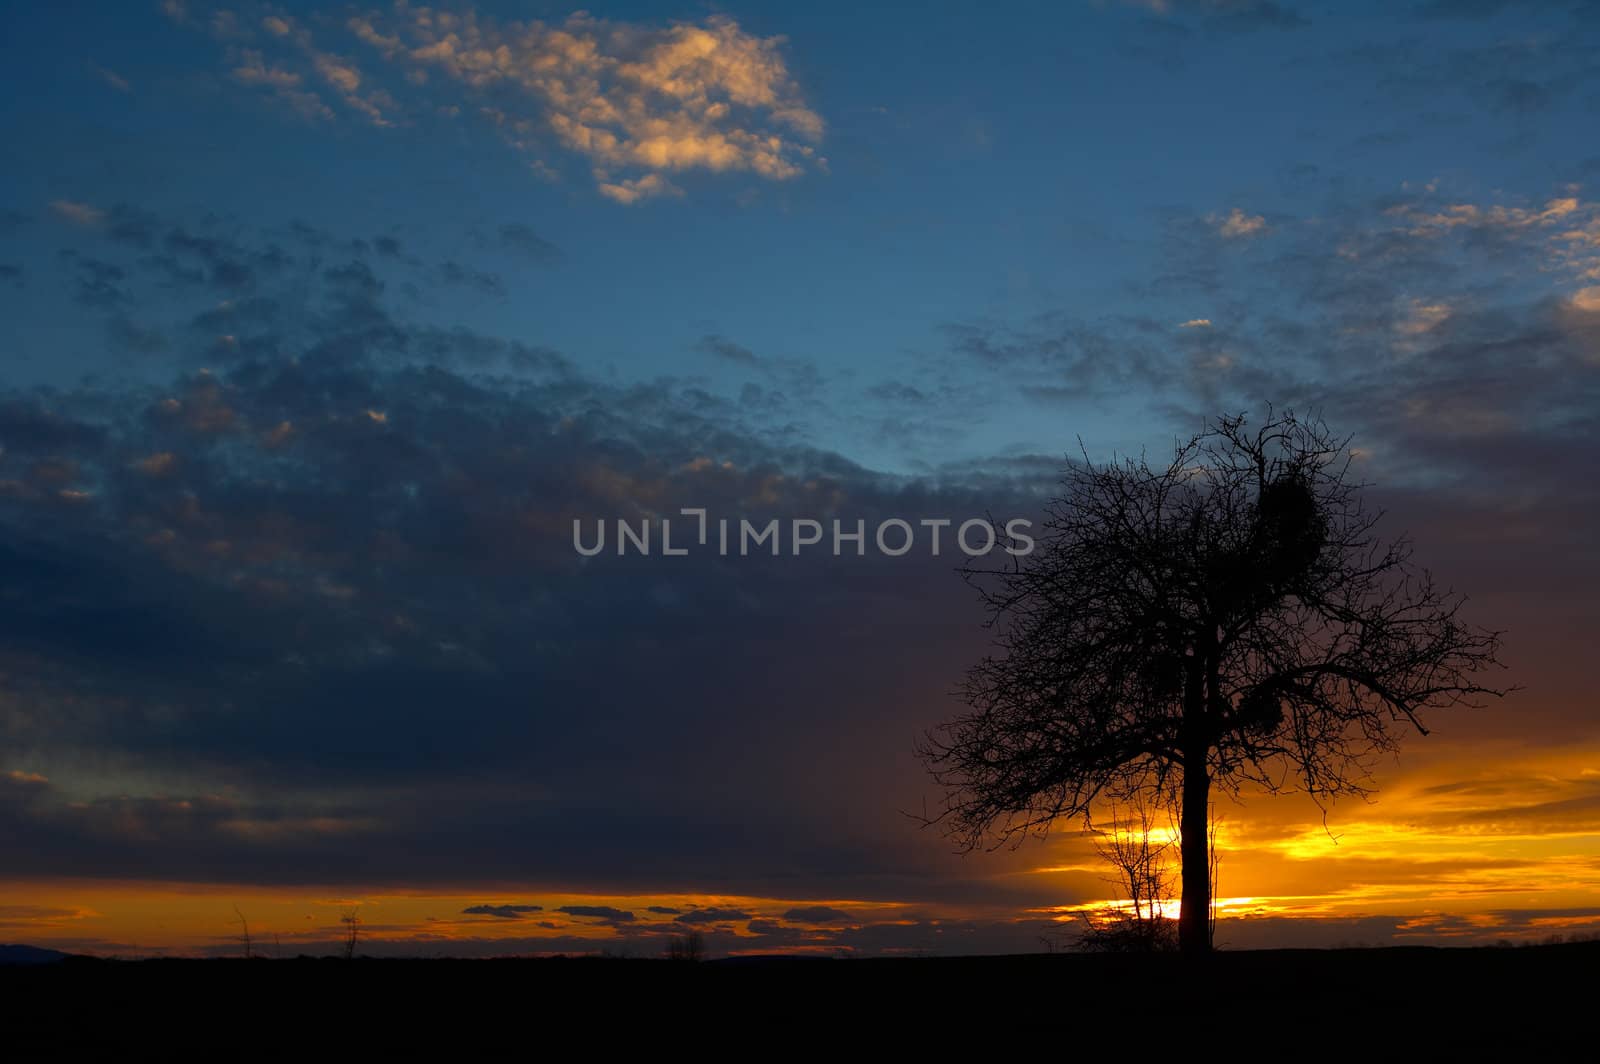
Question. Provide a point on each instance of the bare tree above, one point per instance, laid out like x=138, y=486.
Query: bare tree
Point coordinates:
x=690, y=946
x=244, y=932
x=1211, y=885
x=352, y=931
x=1143, y=871
x=1229, y=619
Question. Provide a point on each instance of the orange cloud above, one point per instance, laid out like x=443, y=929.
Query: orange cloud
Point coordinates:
x=637, y=102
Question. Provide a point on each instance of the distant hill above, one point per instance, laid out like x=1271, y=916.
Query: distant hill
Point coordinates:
x=30, y=955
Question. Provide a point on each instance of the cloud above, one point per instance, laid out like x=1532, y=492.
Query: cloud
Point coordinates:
x=250, y=68
x=1586, y=299
x=99, y=283
x=1236, y=223
x=27, y=780
x=1541, y=69
x=1387, y=313
x=1420, y=319
x=111, y=78
x=454, y=273
x=1058, y=358
x=296, y=62
x=631, y=191
x=524, y=241
x=638, y=103
x=724, y=348
x=713, y=915
x=816, y=914
x=77, y=213
x=1472, y=9
x=1237, y=16
x=599, y=912
x=1566, y=229
x=504, y=912
x=685, y=97
x=255, y=519
x=36, y=918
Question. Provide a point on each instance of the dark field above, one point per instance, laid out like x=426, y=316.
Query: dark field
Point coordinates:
x=1379, y=1004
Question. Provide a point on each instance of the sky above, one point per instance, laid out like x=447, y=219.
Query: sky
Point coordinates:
x=324, y=324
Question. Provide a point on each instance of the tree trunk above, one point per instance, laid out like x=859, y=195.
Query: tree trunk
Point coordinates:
x=1194, y=913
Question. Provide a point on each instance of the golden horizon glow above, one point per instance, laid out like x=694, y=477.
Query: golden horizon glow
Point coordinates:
x=1454, y=849
x=1446, y=860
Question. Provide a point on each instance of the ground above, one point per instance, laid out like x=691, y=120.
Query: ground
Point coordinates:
x=1489, y=1003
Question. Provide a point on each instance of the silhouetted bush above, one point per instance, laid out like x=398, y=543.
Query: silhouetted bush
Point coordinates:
x=1116, y=931
x=688, y=947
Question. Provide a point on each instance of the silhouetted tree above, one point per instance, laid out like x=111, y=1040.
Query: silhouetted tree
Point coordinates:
x=690, y=946
x=1230, y=618
x=352, y=931
x=244, y=933
x=1142, y=870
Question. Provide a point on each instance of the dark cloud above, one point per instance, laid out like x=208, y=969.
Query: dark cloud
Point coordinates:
x=599, y=912
x=1228, y=16
x=514, y=236
x=221, y=262
x=504, y=912
x=129, y=335
x=30, y=917
x=713, y=916
x=355, y=545
x=725, y=348
x=1422, y=335
x=897, y=392
x=1480, y=9
x=1463, y=929
x=1057, y=357
x=132, y=226
x=816, y=914
x=98, y=284
x=1244, y=16
x=1520, y=76
x=1518, y=95
x=453, y=273
x=32, y=426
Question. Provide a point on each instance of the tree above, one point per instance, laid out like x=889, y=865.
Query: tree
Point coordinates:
x=244, y=933
x=1142, y=871
x=687, y=947
x=1230, y=619
x=351, y=919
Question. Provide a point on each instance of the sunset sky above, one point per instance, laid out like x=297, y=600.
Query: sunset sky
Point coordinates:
x=324, y=324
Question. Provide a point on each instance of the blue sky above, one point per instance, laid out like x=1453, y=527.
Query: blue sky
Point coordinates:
x=324, y=320
x=980, y=171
